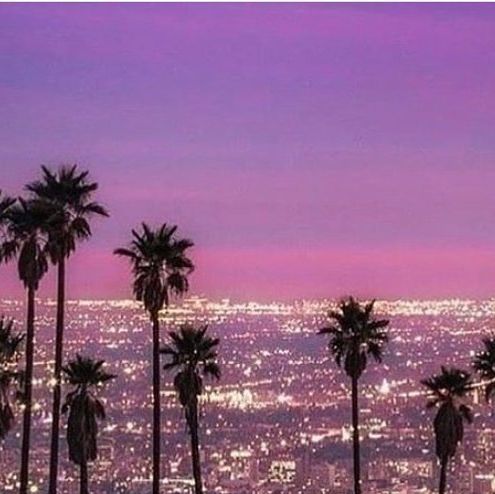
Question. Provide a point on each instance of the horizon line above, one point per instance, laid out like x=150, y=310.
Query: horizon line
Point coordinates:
x=236, y=300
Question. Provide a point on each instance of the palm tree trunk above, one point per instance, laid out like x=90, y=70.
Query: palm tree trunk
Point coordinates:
x=443, y=476
x=355, y=437
x=156, y=404
x=83, y=481
x=194, y=431
x=28, y=393
x=59, y=338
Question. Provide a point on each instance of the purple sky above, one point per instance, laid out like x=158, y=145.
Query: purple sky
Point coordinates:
x=309, y=150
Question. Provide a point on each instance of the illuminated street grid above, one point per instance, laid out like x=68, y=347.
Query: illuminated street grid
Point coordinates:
x=277, y=421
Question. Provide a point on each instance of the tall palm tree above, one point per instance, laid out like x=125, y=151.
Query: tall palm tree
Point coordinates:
x=192, y=355
x=484, y=365
x=9, y=373
x=25, y=241
x=355, y=334
x=160, y=268
x=447, y=392
x=85, y=409
x=69, y=192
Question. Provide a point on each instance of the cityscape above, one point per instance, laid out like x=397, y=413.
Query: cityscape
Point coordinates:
x=278, y=421
x=247, y=248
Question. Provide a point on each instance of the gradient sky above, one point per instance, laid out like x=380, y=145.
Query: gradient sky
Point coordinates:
x=309, y=150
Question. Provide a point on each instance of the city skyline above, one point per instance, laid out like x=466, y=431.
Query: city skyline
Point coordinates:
x=278, y=421
x=309, y=151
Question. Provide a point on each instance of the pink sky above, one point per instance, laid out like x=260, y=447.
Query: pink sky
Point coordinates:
x=309, y=150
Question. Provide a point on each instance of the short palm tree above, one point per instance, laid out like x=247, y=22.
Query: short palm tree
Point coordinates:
x=447, y=392
x=85, y=409
x=192, y=355
x=69, y=192
x=9, y=374
x=484, y=365
x=160, y=268
x=26, y=241
x=355, y=334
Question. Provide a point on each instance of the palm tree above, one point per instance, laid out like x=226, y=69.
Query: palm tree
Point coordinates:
x=9, y=349
x=160, y=268
x=85, y=409
x=354, y=335
x=69, y=192
x=447, y=392
x=484, y=365
x=26, y=242
x=192, y=355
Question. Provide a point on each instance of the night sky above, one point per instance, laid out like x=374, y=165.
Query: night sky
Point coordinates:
x=308, y=150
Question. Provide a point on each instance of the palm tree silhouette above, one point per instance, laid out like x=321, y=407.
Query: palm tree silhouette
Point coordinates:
x=160, y=267
x=192, y=355
x=484, y=365
x=9, y=374
x=85, y=409
x=25, y=240
x=447, y=392
x=354, y=335
x=69, y=192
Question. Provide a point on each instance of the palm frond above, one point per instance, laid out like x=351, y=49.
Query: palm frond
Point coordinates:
x=447, y=392
x=25, y=240
x=83, y=407
x=68, y=192
x=354, y=334
x=192, y=354
x=160, y=265
x=10, y=377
